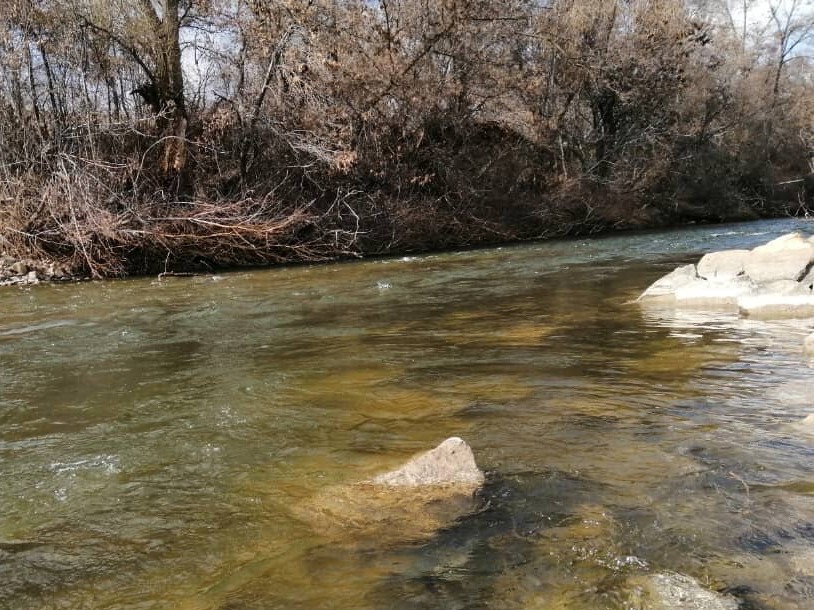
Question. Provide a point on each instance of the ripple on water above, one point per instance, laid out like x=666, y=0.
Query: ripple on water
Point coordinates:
x=157, y=435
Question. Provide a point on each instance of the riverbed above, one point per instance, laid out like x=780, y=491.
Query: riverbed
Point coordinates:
x=157, y=436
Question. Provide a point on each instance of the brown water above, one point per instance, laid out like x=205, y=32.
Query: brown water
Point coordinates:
x=158, y=439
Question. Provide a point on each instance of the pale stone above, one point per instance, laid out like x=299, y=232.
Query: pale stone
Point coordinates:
x=450, y=463
x=789, y=241
x=775, y=280
x=791, y=265
x=804, y=427
x=802, y=560
x=784, y=288
x=665, y=288
x=726, y=264
x=20, y=268
x=670, y=591
x=789, y=257
x=808, y=345
x=793, y=395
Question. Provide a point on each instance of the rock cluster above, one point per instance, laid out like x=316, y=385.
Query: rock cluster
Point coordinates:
x=26, y=272
x=775, y=280
x=772, y=281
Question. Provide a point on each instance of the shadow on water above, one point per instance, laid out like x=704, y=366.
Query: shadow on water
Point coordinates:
x=466, y=564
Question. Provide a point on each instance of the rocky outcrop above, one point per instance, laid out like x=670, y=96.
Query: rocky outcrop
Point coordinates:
x=409, y=503
x=670, y=591
x=26, y=272
x=775, y=280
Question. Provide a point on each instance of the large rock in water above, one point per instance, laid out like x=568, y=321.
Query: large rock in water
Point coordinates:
x=450, y=463
x=775, y=280
x=411, y=503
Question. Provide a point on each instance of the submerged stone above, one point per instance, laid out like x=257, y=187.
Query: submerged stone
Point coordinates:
x=671, y=591
x=410, y=503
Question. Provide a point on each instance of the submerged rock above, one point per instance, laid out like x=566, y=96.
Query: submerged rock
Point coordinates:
x=775, y=280
x=670, y=591
x=410, y=503
x=808, y=422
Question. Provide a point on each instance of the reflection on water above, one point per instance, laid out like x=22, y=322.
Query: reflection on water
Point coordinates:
x=158, y=440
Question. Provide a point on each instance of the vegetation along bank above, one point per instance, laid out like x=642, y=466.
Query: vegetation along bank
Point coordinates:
x=174, y=135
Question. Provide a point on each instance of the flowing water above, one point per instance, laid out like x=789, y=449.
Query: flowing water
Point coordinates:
x=158, y=439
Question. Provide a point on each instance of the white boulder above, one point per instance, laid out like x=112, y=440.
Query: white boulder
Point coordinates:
x=789, y=257
x=775, y=280
x=725, y=264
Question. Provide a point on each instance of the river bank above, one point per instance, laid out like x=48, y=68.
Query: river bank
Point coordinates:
x=16, y=271
x=199, y=238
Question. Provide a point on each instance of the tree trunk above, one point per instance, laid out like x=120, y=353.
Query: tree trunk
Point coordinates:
x=168, y=87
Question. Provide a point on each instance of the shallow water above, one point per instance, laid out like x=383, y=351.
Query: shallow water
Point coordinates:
x=158, y=438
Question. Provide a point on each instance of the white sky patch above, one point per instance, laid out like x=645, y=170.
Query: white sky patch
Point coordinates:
x=759, y=22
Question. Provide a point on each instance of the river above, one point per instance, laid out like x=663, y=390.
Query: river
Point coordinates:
x=157, y=436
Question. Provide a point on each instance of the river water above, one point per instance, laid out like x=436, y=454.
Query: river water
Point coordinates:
x=159, y=438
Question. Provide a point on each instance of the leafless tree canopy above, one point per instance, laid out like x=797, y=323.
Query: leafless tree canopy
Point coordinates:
x=142, y=135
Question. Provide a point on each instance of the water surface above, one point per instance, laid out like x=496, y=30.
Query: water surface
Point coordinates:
x=158, y=438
